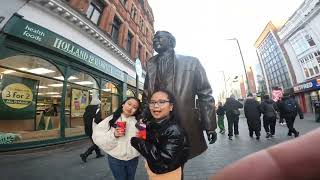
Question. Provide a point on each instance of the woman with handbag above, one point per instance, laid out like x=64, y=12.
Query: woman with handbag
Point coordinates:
x=166, y=148
x=113, y=136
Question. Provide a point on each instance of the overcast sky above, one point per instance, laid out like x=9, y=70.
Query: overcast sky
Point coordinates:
x=201, y=28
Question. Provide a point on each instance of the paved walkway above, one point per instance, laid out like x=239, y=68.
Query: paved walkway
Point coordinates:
x=63, y=162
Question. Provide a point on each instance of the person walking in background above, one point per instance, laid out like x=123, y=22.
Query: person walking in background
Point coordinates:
x=220, y=113
x=252, y=113
x=113, y=135
x=289, y=109
x=166, y=148
x=268, y=108
x=232, y=112
x=91, y=113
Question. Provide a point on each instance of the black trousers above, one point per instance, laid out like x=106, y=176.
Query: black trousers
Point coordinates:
x=269, y=124
x=253, y=130
x=233, y=125
x=290, y=124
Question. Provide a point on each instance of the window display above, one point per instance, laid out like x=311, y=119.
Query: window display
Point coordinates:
x=30, y=99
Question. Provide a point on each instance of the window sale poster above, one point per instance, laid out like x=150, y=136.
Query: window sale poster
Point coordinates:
x=79, y=102
x=17, y=97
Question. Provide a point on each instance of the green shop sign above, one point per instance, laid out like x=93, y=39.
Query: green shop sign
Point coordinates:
x=34, y=33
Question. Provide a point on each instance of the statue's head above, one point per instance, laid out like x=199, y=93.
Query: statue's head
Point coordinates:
x=163, y=41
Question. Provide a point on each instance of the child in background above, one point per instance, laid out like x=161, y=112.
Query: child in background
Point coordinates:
x=220, y=113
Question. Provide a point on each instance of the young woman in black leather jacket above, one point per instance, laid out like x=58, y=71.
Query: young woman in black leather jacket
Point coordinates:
x=166, y=147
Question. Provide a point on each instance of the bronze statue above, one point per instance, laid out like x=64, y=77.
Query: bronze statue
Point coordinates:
x=185, y=77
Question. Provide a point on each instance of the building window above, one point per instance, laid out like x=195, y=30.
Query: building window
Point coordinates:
x=115, y=29
x=139, y=51
x=316, y=69
x=109, y=98
x=133, y=12
x=310, y=40
x=311, y=71
x=80, y=90
x=129, y=42
x=130, y=93
x=306, y=72
x=123, y=2
x=94, y=11
x=30, y=105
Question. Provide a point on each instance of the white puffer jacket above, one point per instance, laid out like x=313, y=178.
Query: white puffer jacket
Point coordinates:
x=120, y=148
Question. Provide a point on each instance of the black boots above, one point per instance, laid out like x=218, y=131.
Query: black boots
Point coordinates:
x=85, y=155
x=89, y=151
x=98, y=153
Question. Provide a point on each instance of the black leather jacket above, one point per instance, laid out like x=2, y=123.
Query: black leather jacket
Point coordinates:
x=166, y=147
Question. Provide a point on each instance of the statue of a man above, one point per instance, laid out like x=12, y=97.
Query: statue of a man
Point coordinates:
x=185, y=77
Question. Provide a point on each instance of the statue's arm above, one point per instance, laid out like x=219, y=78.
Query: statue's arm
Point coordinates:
x=205, y=98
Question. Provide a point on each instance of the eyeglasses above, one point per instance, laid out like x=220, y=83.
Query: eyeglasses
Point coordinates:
x=159, y=103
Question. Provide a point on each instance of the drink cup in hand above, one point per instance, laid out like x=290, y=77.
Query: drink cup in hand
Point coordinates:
x=142, y=133
x=121, y=125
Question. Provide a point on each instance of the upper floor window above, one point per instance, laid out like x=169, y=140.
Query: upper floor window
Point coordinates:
x=133, y=12
x=129, y=42
x=139, y=51
x=115, y=29
x=123, y=2
x=310, y=40
x=141, y=25
x=94, y=11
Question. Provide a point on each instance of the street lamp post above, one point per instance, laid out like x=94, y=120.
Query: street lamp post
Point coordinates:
x=244, y=66
x=225, y=84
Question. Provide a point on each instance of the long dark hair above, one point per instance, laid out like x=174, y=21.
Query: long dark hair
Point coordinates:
x=174, y=113
x=118, y=112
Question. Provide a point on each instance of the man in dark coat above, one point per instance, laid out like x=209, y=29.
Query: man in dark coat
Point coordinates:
x=232, y=112
x=289, y=108
x=268, y=108
x=92, y=112
x=252, y=113
x=185, y=77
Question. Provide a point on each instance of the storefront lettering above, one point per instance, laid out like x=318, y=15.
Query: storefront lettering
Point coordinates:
x=32, y=33
x=81, y=54
x=303, y=86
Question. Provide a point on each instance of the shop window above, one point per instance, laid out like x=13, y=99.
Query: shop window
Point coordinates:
x=109, y=98
x=30, y=100
x=81, y=89
x=130, y=93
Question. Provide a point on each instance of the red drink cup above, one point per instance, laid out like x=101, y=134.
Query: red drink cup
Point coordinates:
x=122, y=126
x=142, y=133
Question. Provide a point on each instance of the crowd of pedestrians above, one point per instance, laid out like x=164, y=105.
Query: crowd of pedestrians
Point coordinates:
x=286, y=109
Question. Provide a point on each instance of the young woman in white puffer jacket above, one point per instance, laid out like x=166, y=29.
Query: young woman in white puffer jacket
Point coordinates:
x=115, y=140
